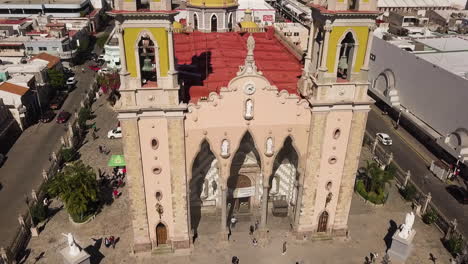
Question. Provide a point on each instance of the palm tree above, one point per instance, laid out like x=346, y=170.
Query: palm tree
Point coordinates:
x=77, y=187
x=377, y=177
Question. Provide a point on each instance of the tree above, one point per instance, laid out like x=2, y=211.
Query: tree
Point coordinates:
x=77, y=187
x=56, y=78
x=377, y=177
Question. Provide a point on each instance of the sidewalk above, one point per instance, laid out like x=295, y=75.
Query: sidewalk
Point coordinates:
x=368, y=228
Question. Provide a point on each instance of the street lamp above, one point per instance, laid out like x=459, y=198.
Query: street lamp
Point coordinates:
x=398, y=120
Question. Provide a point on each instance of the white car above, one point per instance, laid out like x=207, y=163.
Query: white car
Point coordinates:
x=71, y=81
x=115, y=133
x=384, y=139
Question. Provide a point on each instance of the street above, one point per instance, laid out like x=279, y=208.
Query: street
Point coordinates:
x=408, y=158
x=22, y=170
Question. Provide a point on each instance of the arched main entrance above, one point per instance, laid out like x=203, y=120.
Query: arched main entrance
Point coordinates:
x=214, y=23
x=244, y=174
x=242, y=192
x=161, y=234
x=323, y=222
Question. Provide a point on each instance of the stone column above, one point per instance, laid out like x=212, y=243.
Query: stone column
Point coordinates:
x=264, y=212
x=370, y=38
x=123, y=60
x=223, y=210
x=300, y=191
x=328, y=28
x=308, y=58
x=171, y=50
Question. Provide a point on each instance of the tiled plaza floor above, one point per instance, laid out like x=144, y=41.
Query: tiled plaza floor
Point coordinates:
x=368, y=227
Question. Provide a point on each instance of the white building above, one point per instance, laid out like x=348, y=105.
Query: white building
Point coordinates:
x=428, y=86
x=296, y=33
x=56, y=8
x=112, y=52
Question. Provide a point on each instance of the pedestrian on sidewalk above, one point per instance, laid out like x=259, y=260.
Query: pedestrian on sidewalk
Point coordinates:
x=106, y=242
x=112, y=241
x=256, y=225
x=100, y=149
x=94, y=136
x=251, y=231
x=254, y=241
x=284, y=248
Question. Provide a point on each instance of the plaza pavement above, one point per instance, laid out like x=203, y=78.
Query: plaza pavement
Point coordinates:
x=368, y=227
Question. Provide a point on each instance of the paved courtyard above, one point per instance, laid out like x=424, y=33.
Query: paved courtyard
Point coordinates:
x=368, y=224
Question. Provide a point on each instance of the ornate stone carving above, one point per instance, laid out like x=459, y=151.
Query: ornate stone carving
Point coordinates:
x=269, y=147
x=248, y=115
x=249, y=66
x=73, y=249
x=225, y=148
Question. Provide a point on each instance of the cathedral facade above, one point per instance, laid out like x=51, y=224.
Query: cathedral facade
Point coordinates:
x=237, y=124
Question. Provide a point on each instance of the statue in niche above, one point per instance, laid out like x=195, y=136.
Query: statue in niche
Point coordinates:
x=269, y=146
x=248, y=109
x=225, y=148
x=407, y=227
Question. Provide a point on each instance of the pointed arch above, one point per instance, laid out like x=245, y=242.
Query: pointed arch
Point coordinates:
x=161, y=233
x=139, y=61
x=213, y=23
x=285, y=174
x=346, y=53
x=195, y=21
x=230, y=22
x=323, y=222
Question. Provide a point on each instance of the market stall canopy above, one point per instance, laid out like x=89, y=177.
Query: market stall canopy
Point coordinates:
x=116, y=161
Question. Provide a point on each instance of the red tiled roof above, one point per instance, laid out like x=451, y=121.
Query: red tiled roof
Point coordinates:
x=208, y=61
x=94, y=12
x=55, y=25
x=13, y=21
x=53, y=60
x=13, y=88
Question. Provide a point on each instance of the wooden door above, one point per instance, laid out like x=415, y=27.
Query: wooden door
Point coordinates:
x=323, y=221
x=161, y=234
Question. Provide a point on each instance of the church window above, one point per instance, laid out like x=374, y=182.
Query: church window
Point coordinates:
x=147, y=57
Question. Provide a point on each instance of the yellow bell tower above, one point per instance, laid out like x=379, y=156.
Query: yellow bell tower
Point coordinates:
x=334, y=81
x=152, y=120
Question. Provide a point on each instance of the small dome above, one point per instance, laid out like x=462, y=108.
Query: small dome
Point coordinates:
x=177, y=25
x=248, y=24
x=213, y=3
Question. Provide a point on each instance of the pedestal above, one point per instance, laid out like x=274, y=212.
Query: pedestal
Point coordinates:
x=81, y=258
x=401, y=248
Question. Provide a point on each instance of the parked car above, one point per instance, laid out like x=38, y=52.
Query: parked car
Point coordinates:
x=459, y=193
x=384, y=139
x=47, y=116
x=58, y=100
x=68, y=72
x=71, y=81
x=115, y=133
x=63, y=117
x=94, y=68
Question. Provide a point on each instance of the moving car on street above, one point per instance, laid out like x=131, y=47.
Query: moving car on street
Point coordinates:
x=384, y=139
x=115, y=133
x=63, y=117
x=71, y=81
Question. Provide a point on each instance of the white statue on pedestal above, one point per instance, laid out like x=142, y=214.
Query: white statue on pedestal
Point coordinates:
x=73, y=248
x=269, y=146
x=248, y=109
x=407, y=227
x=225, y=148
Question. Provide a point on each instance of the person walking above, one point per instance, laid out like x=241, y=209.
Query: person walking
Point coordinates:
x=100, y=149
x=284, y=248
x=251, y=231
x=112, y=241
x=256, y=224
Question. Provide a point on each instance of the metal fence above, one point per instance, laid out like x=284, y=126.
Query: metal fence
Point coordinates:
x=72, y=139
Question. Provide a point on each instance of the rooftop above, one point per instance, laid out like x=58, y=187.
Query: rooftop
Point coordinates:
x=412, y=3
x=208, y=61
x=454, y=62
x=51, y=59
x=13, y=88
x=13, y=21
x=445, y=44
x=45, y=2
x=33, y=66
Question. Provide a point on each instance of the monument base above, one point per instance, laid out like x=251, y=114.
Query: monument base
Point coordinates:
x=401, y=248
x=81, y=258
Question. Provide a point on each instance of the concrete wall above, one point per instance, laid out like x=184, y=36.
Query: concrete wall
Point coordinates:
x=434, y=95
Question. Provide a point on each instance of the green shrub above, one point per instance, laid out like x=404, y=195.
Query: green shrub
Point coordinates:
x=375, y=198
x=83, y=116
x=67, y=154
x=430, y=217
x=455, y=244
x=38, y=212
x=409, y=192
